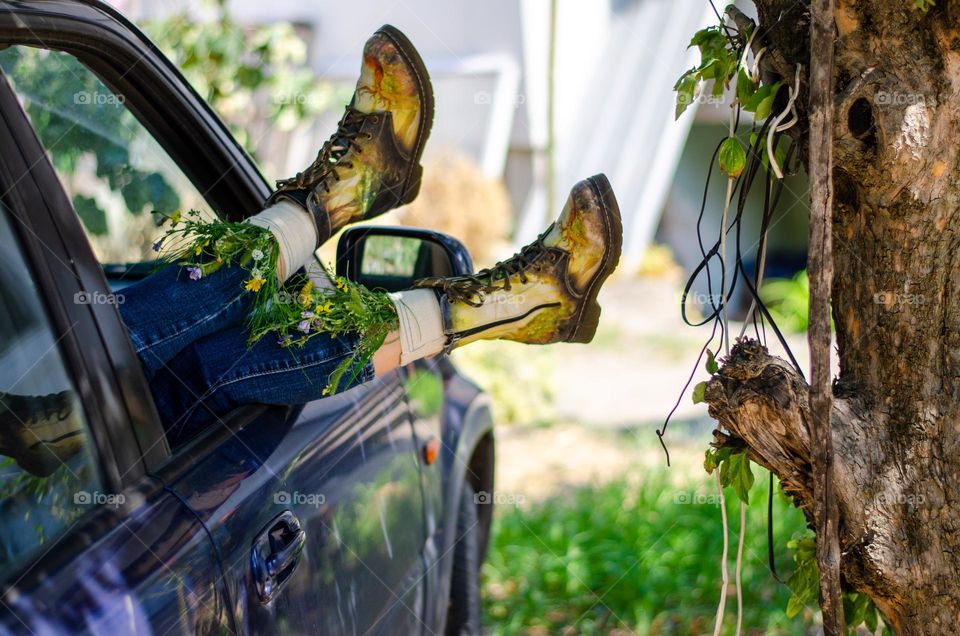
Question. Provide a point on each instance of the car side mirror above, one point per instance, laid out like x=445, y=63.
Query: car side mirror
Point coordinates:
x=393, y=258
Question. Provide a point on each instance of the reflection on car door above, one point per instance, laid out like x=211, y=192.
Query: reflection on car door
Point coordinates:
x=80, y=553
x=318, y=518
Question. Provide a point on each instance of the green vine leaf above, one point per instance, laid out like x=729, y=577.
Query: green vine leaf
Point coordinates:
x=732, y=157
x=712, y=366
x=736, y=473
x=761, y=102
x=924, y=5
x=804, y=584
x=718, y=62
x=713, y=458
x=686, y=88
x=745, y=87
x=699, y=392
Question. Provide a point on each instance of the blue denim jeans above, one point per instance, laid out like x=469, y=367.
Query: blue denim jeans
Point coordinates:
x=191, y=339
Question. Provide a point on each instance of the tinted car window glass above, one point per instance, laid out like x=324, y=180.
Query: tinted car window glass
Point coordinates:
x=119, y=178
x=48, y=471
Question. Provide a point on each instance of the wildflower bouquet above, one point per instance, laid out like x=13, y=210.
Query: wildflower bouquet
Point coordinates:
x=201, y=247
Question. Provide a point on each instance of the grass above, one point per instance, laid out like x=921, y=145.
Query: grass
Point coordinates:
x=637, y=555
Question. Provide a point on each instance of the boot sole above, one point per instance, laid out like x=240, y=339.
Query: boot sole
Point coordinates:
x=589, y=316
x=412, y=186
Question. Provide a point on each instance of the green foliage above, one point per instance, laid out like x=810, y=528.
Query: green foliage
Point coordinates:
x=718, y=62
x=425, y=392
x=788, y=301
x=732, y=157
x=804, y=584
x=294, y=313
x=644, y=551
x=518, y=378
x=734, y=468
x=79, y=119
x=760, y=102
x=699, y=392
x=711, y=365
x=924, y=5
x=231, y=66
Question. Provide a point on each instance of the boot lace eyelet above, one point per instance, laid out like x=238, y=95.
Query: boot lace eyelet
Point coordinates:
x=375, y=119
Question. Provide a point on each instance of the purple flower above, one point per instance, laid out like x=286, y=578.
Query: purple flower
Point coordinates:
x=304, y=326
x=195, y=273
x=284, y=342
x=306, y=314
x=156, y=246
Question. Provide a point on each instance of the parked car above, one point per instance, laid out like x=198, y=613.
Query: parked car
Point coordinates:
x=361, y=513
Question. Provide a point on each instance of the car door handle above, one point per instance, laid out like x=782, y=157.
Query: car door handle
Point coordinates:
x=274, y=555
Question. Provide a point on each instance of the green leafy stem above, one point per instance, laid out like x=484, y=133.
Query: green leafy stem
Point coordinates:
x=296, y=311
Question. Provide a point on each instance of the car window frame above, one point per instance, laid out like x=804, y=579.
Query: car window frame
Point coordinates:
x=182, y=123
x=27, y=195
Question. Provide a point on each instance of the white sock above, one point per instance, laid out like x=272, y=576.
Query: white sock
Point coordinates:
x=421, y=324
x=293, y=228
x=317, y=274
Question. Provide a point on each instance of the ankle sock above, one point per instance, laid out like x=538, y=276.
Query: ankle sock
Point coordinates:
x=421, y=324
x=295, y=232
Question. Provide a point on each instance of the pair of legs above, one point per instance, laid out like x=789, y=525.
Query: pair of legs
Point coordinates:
x=212, y=332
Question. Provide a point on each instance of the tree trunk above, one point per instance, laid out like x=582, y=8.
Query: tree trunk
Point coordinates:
x=896, y=305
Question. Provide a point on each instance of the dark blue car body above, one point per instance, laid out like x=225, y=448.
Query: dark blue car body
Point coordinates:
x=322, y=519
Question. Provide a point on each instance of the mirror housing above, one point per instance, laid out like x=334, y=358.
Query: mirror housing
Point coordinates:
x=392, y=258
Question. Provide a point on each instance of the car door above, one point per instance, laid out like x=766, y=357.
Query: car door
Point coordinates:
x=321, y=505
x=96, y=545
x=322, y=528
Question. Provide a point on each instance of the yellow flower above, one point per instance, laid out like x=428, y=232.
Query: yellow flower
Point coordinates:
x=323, y=309
x=254, y=284
x=304, y=295
x=197, y=250
x=176, y=217
x=325, y=391
x=342, y=285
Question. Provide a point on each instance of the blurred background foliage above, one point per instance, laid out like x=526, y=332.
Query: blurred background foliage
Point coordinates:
x=788, y=301
x=249, y=74
x=636, y=555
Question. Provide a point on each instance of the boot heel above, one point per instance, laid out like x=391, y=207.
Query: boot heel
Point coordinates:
x=413, y=185
x=587, y=326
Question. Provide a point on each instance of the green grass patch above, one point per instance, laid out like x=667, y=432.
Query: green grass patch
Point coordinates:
x=639, y=554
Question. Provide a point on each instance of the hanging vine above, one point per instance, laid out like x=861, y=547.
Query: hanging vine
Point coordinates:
x=732, y=64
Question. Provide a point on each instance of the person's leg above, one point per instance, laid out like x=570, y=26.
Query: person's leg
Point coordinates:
x=545, y=294
x=368, y=166
x=221, y=372
x=166, y=311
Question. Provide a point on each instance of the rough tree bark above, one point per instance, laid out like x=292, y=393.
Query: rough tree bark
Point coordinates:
x=896, y=305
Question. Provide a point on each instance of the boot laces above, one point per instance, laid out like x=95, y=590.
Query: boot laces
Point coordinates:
x=331, y=154
x=472, y=289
